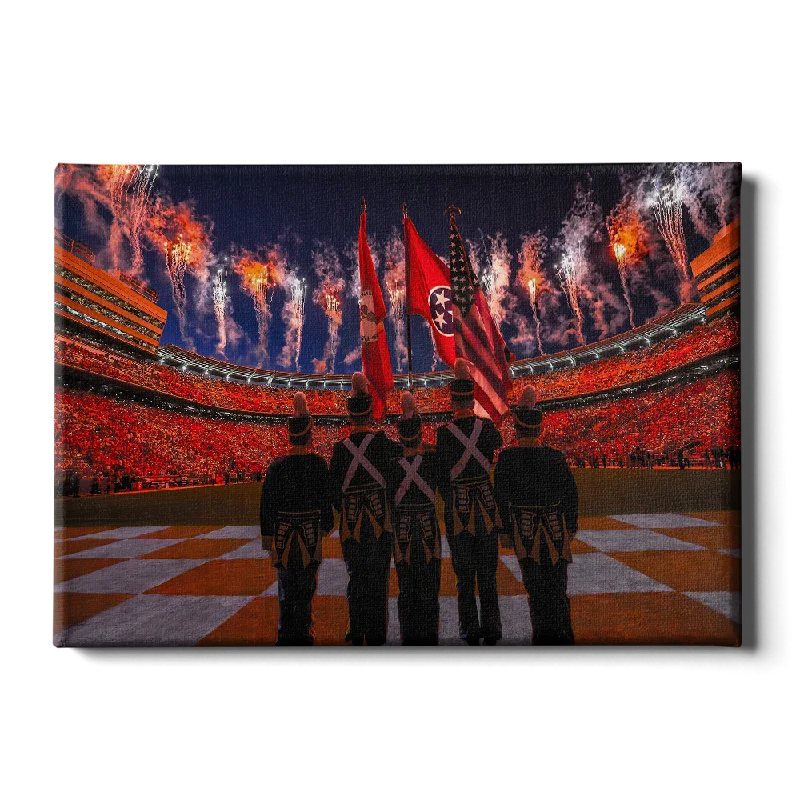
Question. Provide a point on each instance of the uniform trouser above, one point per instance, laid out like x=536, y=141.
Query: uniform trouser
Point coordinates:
x=475, y=556
x=418, y=601
x=368, y=561
x=296, y=587
x=546, y=585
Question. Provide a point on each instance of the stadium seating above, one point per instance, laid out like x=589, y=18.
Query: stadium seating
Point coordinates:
x=608, y=373
x=100, y=436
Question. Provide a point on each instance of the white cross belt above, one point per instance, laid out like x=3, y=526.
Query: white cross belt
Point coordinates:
x=412, y=476
x=360, y=460
x=470, y=449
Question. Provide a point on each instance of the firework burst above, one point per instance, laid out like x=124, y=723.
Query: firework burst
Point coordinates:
x=220, y=296
x=298, y=306
x=186, y=244
x=328, y=295
x=668, y=211
x=260, y=275
x=568, y=275
x=582, y=224
x=627, y=235
x=395, y=279
x=177, y=254
x=130, y=187
x=531, y=277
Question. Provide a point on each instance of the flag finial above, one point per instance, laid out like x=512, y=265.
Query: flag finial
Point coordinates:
x=363, y=205
x=451, y=211
x=405, y=210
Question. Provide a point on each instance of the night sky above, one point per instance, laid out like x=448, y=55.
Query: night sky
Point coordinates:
x=301, y=207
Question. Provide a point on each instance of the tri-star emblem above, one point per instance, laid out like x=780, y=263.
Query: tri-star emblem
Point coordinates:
x=441, y=307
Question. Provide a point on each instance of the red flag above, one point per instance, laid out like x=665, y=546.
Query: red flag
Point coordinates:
x=375, y=360
x=428, y=292
x=477, y=338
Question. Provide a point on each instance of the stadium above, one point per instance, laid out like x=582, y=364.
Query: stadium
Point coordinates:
x=635, y=412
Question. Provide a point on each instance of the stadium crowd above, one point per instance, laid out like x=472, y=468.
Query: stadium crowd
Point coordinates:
x=627, y=368
x=108, y=444
x=608, y=373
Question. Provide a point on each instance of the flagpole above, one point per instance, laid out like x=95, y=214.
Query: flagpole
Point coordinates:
x=407, y=307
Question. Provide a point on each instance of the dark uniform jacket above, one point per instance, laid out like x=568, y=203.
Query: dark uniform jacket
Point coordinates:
x=538, y=502
x=296, y=505
x=414, y=507
x=473, y=482
x=362, y=491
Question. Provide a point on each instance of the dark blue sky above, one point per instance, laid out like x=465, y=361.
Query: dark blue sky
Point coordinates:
x=253, y=206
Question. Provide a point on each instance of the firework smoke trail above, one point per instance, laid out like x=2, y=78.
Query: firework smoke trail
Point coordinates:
x=117, y=178
x=397, y=309
x=139, y=198
x=627, y=235
x=220, y=294
x=668, y=211
x=129, y=187
x=299, y=307
x=582, y=223
x=531, y=276
x=395, y=280
x=177, y=254
x=294, y=314
x=567, y=274
x=186, y=243
x=328, y=295
x=620, y=253
x=535, y=309
x=260, y=274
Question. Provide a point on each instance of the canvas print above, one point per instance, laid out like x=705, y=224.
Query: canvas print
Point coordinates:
x=397, y=405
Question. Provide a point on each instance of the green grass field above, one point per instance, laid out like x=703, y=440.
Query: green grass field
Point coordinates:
x=601, y=492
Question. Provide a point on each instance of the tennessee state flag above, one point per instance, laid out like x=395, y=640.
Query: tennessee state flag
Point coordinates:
x=375, y=361
x=428, y=293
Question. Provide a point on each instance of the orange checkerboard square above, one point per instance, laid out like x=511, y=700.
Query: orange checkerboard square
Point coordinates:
x=71, y=608
x=507, y=584
x=239, y=577
x=331, y=548
x=68, y=568
x=448, y=582
x=654, y=618
x=687, y=571
x=74, y=533
x=331, y=619
x=198, y=548
x=68, y=547
x=180, y=532
x=255, y=624
x=725, y=537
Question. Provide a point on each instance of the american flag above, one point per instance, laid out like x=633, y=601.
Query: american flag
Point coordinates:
x=476, y=336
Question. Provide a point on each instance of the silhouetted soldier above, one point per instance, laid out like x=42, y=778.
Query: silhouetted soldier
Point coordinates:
x=411, y=487
x=359, y=466
x=296, y=514
x=538, y=503
x=464, y=451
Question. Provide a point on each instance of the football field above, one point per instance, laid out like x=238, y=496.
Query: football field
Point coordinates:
x=656, y=561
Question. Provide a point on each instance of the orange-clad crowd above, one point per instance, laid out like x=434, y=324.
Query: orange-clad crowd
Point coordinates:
x=608, y=373
x=107, y=444
x=626, y=368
